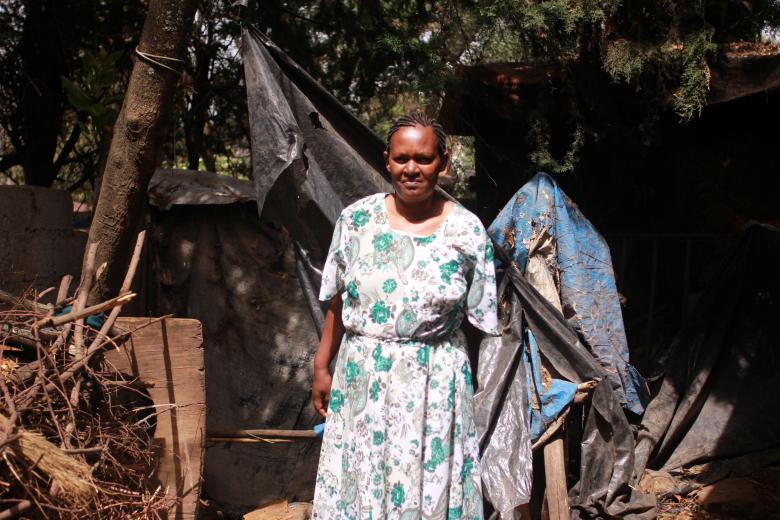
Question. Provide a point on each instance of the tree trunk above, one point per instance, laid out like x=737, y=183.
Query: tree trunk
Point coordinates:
x=137, y=141
x=196, y=114
x=41, y=98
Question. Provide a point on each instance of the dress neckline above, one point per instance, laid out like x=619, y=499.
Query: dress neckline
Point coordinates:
x=413, y=235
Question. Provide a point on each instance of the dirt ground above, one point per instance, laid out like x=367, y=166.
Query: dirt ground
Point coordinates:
x=754, y=496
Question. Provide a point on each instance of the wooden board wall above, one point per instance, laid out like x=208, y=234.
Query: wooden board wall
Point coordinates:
x=168, y=355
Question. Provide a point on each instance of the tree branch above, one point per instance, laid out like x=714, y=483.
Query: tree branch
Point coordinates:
x=85, y=176
x=10, y=160
x=69, y=145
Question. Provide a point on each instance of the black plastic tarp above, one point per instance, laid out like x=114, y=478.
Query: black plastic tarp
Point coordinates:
x=718, y=404
x=326, y=156
x=606, y=448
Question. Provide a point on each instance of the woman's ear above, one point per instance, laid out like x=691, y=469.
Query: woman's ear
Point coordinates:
x=445, y=163
x=386, y=154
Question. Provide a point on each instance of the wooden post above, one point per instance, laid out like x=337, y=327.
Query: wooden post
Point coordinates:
x=557, y=496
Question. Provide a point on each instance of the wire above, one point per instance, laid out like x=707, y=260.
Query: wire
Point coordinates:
x=153, y=58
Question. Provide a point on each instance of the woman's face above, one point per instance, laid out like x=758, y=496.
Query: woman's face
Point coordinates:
x=414, y=163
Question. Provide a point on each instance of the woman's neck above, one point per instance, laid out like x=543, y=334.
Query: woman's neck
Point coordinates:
x=418, y=211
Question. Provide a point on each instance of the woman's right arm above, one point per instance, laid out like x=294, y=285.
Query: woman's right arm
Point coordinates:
x=332, y=332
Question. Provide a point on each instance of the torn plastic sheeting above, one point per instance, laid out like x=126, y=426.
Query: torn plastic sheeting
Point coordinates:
x=501, y=414
x=607, y=443
x=717, y=405
x=504, y=404
x=336, y=159
x=342, y=158
x=588, y=293
x=282, y=139
x=606, y=464
x=551, y=401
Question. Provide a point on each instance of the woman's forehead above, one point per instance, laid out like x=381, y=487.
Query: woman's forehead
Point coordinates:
x=417, y=136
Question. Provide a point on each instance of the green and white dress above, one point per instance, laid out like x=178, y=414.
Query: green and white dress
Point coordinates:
x=400, y=440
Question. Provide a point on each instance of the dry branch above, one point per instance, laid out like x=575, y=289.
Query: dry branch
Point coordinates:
x=72, y=475
x=62, y=293
x=55, y=321
x=16, y=301
x=16, y=509
x=73, y=439
x=81, y=297
x=260, y=435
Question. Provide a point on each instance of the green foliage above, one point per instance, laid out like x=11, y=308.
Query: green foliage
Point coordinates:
x=95, y=92
x=545, y=31
x=462, y=164
x=385, y=58
x=543, y=159
x=662, y=50
x=690, y=98
x=624, y=60
x=64, y=65
x=380, y=58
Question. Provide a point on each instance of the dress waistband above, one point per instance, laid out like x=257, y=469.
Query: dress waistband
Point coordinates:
x=456, y=338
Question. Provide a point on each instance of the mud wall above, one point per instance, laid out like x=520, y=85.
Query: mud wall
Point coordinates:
x=236, y=274
x=37, y=242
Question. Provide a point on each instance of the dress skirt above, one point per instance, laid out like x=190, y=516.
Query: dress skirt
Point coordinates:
x=400, y=440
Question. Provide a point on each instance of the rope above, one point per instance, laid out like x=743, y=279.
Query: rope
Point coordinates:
x=153, y=58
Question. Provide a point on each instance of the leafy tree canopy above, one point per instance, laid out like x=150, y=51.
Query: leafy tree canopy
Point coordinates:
x=65, y=63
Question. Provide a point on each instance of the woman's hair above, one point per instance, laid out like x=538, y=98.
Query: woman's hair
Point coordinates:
x=418, y=118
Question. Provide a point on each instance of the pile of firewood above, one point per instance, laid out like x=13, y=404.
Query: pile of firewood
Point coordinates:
x=75, y=434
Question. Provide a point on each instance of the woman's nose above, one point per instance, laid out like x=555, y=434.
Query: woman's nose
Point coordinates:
x=411, y=168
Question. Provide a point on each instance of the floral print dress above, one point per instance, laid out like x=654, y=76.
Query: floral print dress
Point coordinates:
x=400, y=440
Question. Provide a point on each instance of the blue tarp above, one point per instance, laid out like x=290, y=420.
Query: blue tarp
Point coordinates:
x=583, y=270
x=550, y=402
x=94, y=320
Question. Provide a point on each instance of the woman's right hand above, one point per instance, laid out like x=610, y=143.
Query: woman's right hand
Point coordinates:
x=320, y=390
x=332, y=332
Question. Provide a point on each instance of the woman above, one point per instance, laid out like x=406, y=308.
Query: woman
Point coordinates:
x=402, y=270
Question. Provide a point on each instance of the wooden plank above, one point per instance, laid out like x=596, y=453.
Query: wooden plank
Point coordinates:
x=557, y=496
x=281, y=510
x=168, y=355
x=263, y=433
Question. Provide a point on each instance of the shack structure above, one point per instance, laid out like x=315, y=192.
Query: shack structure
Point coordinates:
x=667, y=208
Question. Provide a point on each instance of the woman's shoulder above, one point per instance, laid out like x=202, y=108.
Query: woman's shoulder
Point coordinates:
x=466, y=233
x=467, y=221
x=362, y=210
x=369, y=201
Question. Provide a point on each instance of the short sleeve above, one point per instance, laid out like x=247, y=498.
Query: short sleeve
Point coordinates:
x=335, y=264
x=481, y=303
